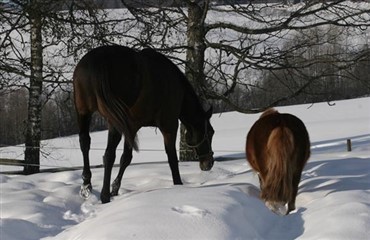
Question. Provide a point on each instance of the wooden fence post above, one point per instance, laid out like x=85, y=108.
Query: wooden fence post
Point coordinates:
x=349, y=145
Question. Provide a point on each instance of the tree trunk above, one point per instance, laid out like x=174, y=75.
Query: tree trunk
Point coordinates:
x=194, y=61
x=33, y=131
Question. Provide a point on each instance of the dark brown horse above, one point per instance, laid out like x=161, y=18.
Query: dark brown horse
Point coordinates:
x=278, y=148
x=133, y=89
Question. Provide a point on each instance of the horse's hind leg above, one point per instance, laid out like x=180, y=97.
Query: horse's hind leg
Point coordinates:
x=124, y=162
x=85, y=140
x=114, y=137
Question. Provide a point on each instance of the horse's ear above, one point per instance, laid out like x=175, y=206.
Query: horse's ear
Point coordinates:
x=209, y=112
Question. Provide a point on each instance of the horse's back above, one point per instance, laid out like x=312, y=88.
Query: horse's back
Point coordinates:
x=167, y=86
x=163, y=72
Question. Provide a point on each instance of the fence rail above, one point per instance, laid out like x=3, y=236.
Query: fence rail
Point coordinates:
x=52, y=169
x=11, y=162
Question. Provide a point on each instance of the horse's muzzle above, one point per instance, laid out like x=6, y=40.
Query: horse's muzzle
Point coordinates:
x=206, y=163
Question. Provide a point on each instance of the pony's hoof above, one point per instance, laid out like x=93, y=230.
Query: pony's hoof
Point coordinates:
x=85, y=191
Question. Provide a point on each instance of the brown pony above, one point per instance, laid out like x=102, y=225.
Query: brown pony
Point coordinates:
x=133, y=89
x=278, y=148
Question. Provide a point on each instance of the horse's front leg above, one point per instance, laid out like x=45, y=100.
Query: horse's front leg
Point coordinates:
x=124, y=162
x=114, y=137
x=170, y=147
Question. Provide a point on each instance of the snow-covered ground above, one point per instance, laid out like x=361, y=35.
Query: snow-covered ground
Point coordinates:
x=333, y=200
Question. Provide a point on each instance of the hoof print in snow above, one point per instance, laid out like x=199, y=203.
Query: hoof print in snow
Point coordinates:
x=190, y=211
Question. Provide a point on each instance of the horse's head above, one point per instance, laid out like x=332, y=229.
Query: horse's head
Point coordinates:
x=276, y=197
x=199, y=138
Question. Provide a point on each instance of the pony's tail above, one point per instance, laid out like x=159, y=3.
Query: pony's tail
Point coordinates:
x=118, y=113
x=280, y=150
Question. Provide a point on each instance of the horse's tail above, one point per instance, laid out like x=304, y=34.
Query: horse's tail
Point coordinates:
x=280, y=164
x=117, y=112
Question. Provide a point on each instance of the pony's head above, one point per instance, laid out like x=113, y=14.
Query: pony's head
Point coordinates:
x=276, y=191
x=199, y=138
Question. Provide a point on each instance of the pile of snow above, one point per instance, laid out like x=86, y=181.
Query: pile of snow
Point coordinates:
x=333, y=200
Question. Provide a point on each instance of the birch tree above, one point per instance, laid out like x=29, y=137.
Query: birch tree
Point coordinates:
x=38, y=44
x=194, y=67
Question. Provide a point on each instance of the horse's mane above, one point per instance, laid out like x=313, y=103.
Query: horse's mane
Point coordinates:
x=180, y=75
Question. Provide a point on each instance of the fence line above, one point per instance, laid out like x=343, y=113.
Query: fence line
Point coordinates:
x=53, y=168
x=103, y=149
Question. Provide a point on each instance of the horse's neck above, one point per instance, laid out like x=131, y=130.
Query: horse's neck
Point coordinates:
x=192, y=112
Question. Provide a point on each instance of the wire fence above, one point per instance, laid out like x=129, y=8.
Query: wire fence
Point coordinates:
x=221, y=155
x=45, y=151
x=103, y=149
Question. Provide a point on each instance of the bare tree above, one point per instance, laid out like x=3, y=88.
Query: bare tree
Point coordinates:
x=252, y=41
x=229, y=49
x=38, y=43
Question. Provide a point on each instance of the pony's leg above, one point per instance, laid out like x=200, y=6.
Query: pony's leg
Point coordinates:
x=114, y=137
x=85, y=140
x=296, y=180
x=170, y=147
x=124, y=162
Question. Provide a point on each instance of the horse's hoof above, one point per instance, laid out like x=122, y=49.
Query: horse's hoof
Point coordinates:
x=85, y=191
x=178, y=183
x=114, y=192
x=115, y=188
x=105, y=199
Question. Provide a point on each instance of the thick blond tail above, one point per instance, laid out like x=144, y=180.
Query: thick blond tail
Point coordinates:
x=280, y=164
